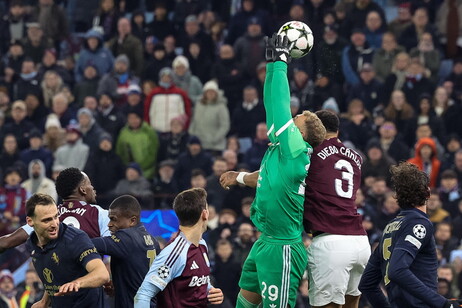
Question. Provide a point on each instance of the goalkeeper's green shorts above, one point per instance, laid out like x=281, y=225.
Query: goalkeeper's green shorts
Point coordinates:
x=274, y=270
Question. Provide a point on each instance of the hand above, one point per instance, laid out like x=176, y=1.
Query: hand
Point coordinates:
x=215, y=296
x=269, y=47
x=453, y=303
x=40, y=304
x=109, y=288
x=282, y=49
x=228, y=179
x=68, y=288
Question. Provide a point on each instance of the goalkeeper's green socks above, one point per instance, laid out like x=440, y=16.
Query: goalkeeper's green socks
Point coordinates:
x=243, y=303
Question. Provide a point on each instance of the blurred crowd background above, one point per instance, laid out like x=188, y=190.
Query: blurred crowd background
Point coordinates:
x=151, y=97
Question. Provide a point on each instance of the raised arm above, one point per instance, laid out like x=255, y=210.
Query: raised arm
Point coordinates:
x=230, y=178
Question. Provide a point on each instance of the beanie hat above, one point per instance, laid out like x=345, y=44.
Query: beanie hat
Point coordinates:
x=181, y=60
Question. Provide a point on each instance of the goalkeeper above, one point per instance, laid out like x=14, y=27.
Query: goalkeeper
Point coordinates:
x=272, y=272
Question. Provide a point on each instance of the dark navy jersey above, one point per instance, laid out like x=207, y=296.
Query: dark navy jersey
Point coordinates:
x=406, y=261
x=63, y=260
x=132, y=252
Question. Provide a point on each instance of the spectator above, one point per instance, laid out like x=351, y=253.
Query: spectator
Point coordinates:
x=391, y=142
x=376, y=165
x=138, y=25
x=38, y=182
x=74, y=153
x=453, y=145
x=198, y=180
x=402, y=21
x=10, y=154
x=62, y=110
x=435, y=210
x=88, y=86
x=116, y=82
x=52, y=84
x=7, y=290
x=108, y=116
x=398, y=75
x=231, y=159
x=125, y=43
x=13, y=201
x=249, y=48
x=448, y=33
x=388, y=211
x=210, y=121
x=426, y=159
x=416, y=83
x=446, y=110
x=456, y=78
x=247, y=115
x=244, y=241
x=183, y=78
x=376, y=195
x=255, y=153
x=199, y=65
x=170, y=47
x=106, y=18
x=13, y=24
x=156, y=63
x=172, y=144
x=166, y=102
x=428, y=55
x=164, y=185
x=385, y=55
x=105, y=168
x=37, y=151
x=36, y=111
x=52, y=20
x=54, y=136
x=193, y=158
x=95, y=54
x=134, y=100
x=12, y=60
x=19, y=126
x=194, y=33
x=227, y=71
x=328, y=54
x=445, y=242
x=356, y=124
x=354, y=55
x=302, y=87
x=49, y=63
x=28, y=81
x=374, y=29
x=399, y=110
x=137, y=185
x=161, y=26
x=226, y=227
x=410, y=35
x=450, y=192
x=31, y=290
x=226, y=270
x=368, y=90
x=356, y=17
x=139, y=143
x=36, y=42
x=89, y=128
x=425, y=131
x=214, y=189
x=457, y=223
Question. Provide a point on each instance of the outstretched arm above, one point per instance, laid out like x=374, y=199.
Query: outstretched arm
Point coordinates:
x=13, y=239
x=230, y=178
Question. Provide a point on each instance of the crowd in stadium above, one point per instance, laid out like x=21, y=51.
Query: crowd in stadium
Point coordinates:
x=151, y=97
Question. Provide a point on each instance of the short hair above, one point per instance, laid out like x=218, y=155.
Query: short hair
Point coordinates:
x=197, y=172
x=127, y=205
x=67, y=181
x=410, y=185
x=315, y=131
x=37, y=199
x=223, y=242
x=189, y=204
x=329, y=119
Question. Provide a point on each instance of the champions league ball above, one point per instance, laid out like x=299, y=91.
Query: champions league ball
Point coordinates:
x=300, y=38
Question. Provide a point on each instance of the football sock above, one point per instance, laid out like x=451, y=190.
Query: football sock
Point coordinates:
x=243, y=303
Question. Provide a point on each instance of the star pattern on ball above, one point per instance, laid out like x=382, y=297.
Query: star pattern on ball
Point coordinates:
x=163, y=271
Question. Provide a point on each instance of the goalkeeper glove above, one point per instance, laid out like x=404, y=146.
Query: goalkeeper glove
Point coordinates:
x=269, y=47
x=453, y=303
x=282, y=49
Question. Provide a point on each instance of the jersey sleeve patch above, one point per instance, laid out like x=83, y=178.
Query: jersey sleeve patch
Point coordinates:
x=419, y=231
x=413, y=241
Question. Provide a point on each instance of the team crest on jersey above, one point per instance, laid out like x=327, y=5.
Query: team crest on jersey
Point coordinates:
x=55, y=258
x=70, y=205
x=163, y=271
x=419, y=231
x=206, y=258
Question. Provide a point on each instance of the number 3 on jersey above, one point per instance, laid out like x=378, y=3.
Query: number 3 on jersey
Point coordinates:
x=347, y=174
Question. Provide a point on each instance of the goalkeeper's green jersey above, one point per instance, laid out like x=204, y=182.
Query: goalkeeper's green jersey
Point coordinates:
x=277, y=210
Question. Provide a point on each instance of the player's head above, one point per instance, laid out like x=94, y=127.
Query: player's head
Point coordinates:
x=124, y=212
x=311, y=128
x=410, y=185
x=191, y=207
x=42, y=215
x=329, y=119
x=73, y=183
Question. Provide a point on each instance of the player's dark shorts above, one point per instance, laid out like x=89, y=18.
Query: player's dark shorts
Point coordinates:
x=274, y=269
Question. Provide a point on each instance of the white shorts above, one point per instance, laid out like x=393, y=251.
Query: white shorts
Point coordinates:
x=335, y=266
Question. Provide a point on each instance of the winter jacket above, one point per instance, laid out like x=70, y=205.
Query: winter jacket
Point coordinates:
x=72, y=155
x=164, y=104
x=141, y=146
x=352, y=60
x=382, y=61
x=101, y=57
x=44, y=184
x=190, y=84
x=105, y=168
x=44, y=155
x=435, y=163
x=132, y=48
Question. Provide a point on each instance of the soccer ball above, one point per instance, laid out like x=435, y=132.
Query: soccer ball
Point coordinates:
x=300, y=38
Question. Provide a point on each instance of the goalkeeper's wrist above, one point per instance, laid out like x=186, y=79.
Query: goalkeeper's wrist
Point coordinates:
x=240, y=177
